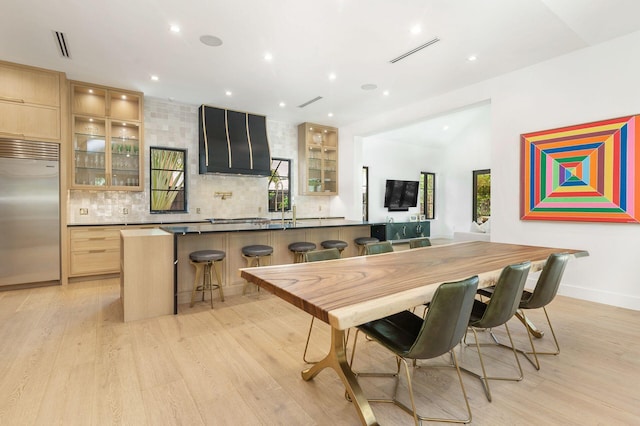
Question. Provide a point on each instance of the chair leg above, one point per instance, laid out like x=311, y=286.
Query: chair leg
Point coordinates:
x=195, y=282
x=306, y=346
x=353, y=353
x=484, y=378
x=418, y=418
x=219, y=280
x=535, y=362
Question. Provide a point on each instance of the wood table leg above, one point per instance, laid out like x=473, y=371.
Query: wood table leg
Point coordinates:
x=337, y=359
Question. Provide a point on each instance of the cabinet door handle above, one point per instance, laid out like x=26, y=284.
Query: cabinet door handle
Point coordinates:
x=97, y=251
x=97, y=238
x=16, y=100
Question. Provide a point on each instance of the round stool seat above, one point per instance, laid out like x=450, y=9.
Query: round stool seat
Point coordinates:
x=257, y=250
x=302, y=246
x=207, y=255
x=366, y=240
x=339, y=244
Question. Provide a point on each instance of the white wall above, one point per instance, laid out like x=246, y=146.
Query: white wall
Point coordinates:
x=592, y=84
x=453, y=161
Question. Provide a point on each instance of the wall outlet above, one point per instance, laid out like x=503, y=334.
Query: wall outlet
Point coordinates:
x=198, y=210
x=125, y=211
x=84, y=212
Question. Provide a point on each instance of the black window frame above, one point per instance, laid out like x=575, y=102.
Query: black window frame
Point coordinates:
x=476, y=204
x=275, y=176
x=429, y=214
x=180, y=192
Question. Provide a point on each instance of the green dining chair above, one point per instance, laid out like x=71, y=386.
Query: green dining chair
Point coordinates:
x=501, y=307
x=410, y=337
x=317, y=256
x=543, y=293
x=378, y=248
x=419, y=242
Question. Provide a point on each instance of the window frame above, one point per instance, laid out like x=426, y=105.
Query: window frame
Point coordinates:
x=476, y=176
x=153, y=177
x=274, y=178
x=429, y=214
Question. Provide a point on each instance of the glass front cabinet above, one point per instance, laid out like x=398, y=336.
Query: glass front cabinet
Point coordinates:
x=107, y=128
x=318, y=159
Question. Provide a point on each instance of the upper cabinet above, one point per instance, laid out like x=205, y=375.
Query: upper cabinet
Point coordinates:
x=318, y=159
x=107, y=126
x=30, y=103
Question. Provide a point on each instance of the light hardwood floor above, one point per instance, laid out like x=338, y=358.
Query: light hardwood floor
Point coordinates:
x=67, y=358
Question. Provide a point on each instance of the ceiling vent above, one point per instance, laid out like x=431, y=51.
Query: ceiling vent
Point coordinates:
x=316, y=99
x=61, y=42
x=417, y=49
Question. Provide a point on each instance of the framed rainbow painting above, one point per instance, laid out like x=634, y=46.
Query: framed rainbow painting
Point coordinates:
x=588, y=172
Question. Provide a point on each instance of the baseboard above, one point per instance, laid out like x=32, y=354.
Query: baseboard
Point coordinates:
x=600, y=296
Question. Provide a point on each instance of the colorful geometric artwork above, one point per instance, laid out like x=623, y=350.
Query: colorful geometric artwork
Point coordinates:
x=588, y=172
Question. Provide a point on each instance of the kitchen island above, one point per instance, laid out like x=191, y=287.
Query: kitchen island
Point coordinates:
x=231, y=235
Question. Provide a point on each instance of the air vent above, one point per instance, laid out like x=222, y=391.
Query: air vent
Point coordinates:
x=61, y=42
x=316, y=99
x=417, y=49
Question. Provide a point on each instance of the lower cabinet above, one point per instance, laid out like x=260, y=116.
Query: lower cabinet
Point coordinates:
x=94, y=251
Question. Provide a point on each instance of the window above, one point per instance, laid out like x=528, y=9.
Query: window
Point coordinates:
x=365, y=193
x=279, y=185
x=481, y=195
x=168, y=171
x=427, y=194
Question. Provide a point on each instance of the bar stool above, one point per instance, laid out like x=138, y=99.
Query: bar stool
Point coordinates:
x=204, y=260
x=361, y=242
x=255, y=254
x=299, y=249
x=339, y=244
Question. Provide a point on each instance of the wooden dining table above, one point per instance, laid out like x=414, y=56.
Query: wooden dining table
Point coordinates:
x=348, y=292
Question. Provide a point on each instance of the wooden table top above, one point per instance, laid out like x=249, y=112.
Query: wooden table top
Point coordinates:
x=351, y=291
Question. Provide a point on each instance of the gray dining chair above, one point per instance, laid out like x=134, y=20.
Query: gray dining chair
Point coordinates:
x=317, y=256
x=543, y=293
x=378, y=248
x=498, y=311
x=419, y=242
x=410, y=337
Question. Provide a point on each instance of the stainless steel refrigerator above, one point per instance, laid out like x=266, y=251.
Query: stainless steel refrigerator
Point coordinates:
x=29, y=212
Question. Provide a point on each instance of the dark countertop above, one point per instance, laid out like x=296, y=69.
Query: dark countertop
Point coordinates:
x=274, y=225
x=71, y=225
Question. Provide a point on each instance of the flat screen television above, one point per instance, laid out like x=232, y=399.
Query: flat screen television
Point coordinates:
x=399, y=195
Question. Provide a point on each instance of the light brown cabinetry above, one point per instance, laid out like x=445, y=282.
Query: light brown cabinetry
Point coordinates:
x=94, y=251
x=318, y=159
x=107, y=127
x=146, y=278
x=30, y=103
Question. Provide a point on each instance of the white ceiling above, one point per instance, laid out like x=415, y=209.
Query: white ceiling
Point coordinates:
x=123, y=42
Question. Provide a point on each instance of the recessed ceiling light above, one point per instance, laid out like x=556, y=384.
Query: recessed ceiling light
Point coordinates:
x=228, y=93
x=210, y=40
x=90, y=90
x=416, y=29
x=368, y=86
x=174, y=29
x=330, y=114
x=124, y=96
x=268, y=57
x=445, y=128
x=282, y=104
x=124, y=124
x=472, y=58
x=332, y=76
x=91, y=120
x=386, y=93
x=154, y=78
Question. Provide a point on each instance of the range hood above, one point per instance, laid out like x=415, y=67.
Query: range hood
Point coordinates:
x=233, y=142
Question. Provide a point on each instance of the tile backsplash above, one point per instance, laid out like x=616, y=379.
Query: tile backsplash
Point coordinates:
x=175, y=125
